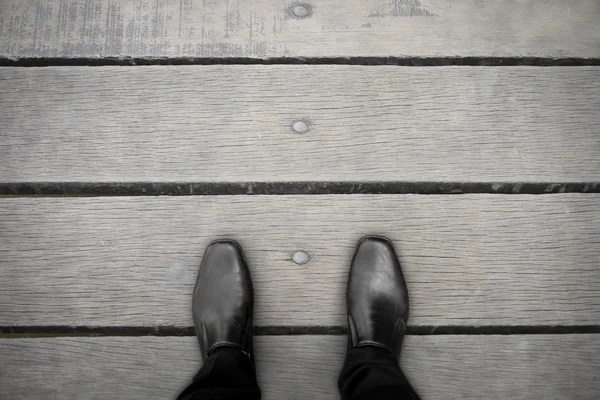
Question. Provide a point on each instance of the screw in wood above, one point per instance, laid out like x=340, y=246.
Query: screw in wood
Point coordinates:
x=300, y=257
x=300, y=11
x=300, y=126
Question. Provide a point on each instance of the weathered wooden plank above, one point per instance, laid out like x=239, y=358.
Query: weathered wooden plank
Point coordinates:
x=468, y=259
x=300, y=367
x=233, y=123
x=268, y=28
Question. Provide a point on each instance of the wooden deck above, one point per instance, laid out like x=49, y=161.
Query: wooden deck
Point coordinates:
x=466, y=131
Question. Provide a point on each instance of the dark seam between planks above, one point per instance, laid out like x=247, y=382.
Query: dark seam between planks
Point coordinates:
x=373, y=61
x=425, y=330
x=50, y=189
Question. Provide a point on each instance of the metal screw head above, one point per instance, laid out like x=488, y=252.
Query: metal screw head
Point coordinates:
x=300, y=257
x=300, y=126
x=300, y=11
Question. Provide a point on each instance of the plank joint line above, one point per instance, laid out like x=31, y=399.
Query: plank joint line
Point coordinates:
x=288, y=188
x=367, y=61
x=419, y=330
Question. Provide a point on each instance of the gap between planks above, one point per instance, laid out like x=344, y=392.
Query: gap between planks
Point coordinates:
x=364, y=61
x=95, y=189
x=165, y=331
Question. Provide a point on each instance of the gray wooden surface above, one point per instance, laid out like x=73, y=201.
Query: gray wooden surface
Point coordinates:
x=267, y=28
x=469, y=259
x=233, y=123
x=524, y=367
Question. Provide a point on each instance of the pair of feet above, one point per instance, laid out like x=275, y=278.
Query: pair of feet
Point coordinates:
x=377, y=298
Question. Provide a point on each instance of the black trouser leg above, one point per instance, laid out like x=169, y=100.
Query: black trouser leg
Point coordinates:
x=227, y=374
x=373, y=373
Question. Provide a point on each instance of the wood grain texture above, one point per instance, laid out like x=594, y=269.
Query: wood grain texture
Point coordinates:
x=233, y=124
x=468, y=259
x=267, y=28
x=303, y=367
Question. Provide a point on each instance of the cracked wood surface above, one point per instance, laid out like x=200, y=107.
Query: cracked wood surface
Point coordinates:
x=519, y=367
x=268, y=28
x=469, y=259
x=233, y=124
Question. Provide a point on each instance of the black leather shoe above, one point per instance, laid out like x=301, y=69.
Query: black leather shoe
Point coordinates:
x=376, y=296
x=223, y=300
